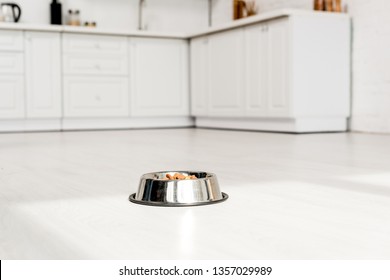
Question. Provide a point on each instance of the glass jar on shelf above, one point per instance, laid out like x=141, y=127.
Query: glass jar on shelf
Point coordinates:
x=74, y=18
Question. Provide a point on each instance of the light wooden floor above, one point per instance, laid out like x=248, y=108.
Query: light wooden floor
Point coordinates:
x=318, y=196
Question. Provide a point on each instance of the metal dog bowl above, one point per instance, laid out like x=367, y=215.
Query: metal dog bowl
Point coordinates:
x=155, y=191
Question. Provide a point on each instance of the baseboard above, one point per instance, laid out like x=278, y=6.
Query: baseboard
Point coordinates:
x=297, y=125
x=126, y=123
x=25, y=125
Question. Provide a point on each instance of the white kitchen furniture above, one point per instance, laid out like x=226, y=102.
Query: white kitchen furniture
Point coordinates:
x=159, y=77
x=11, y=75
x=289, y=74
x=43, y=76
x=285, y=70
x=95, y=80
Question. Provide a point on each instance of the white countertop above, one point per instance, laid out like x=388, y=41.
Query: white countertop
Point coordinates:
x=90, y=30
x=316, y=196
x=230, y=25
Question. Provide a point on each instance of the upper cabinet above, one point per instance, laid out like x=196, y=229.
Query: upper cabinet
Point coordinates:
x=159, y=77
x=43, y=75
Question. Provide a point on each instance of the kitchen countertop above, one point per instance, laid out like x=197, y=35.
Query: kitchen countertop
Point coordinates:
x=89, y=30
x=230, y=25
x=315, y=196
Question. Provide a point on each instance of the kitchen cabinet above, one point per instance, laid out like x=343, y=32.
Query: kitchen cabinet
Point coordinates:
x=287, y=74
x=199, y=76
x=286, y=71
x=43, y=74
x=11, y=97
x=96, y=44
x=256, y=70
x=95, y=64
x=11, y=63
x=226, y=72
x=11, y=40
x=159, y=77
x=267, y=69
x=95, y=80
x=243, y=72
x=278, y=68
x=95, y=97
x=12, y=102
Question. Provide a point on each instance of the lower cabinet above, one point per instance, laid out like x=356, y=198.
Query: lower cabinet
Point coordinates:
x=96, y=97
x=289, y=74
x=43, y=74
x=226, y=73
x=159, y=77
x=199, y=76
x=11, y=97
x=242, y=72
x=12, y=102
x=267, y=70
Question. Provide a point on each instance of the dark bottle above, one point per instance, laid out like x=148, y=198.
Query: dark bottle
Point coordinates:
x=55, y=12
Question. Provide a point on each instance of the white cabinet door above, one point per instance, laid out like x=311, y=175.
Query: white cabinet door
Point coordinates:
x=11, y=97
x=159, y=77
x=199, y=76
x=256, y=70
x=11, y=40
x=226, y=58
x=94, y=44
x=96, y=96
x=94, y=64
x=11, y=63
x=278, y=69
x=43, y=75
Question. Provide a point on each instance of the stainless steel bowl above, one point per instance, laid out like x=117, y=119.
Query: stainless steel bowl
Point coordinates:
x=154, y=190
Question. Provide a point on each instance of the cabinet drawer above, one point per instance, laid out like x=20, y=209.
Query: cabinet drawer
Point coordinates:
x=76, y=43
x=11, y=97
x=11, y=63
x=102, y=64
x=11, y=40
x=96, y=97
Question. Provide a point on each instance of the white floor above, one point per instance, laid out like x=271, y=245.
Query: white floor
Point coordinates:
x=319, y=196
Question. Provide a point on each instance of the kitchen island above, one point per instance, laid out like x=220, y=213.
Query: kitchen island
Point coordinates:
x=322, y=196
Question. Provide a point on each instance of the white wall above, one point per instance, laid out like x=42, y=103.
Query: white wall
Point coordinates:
x=159, y=15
